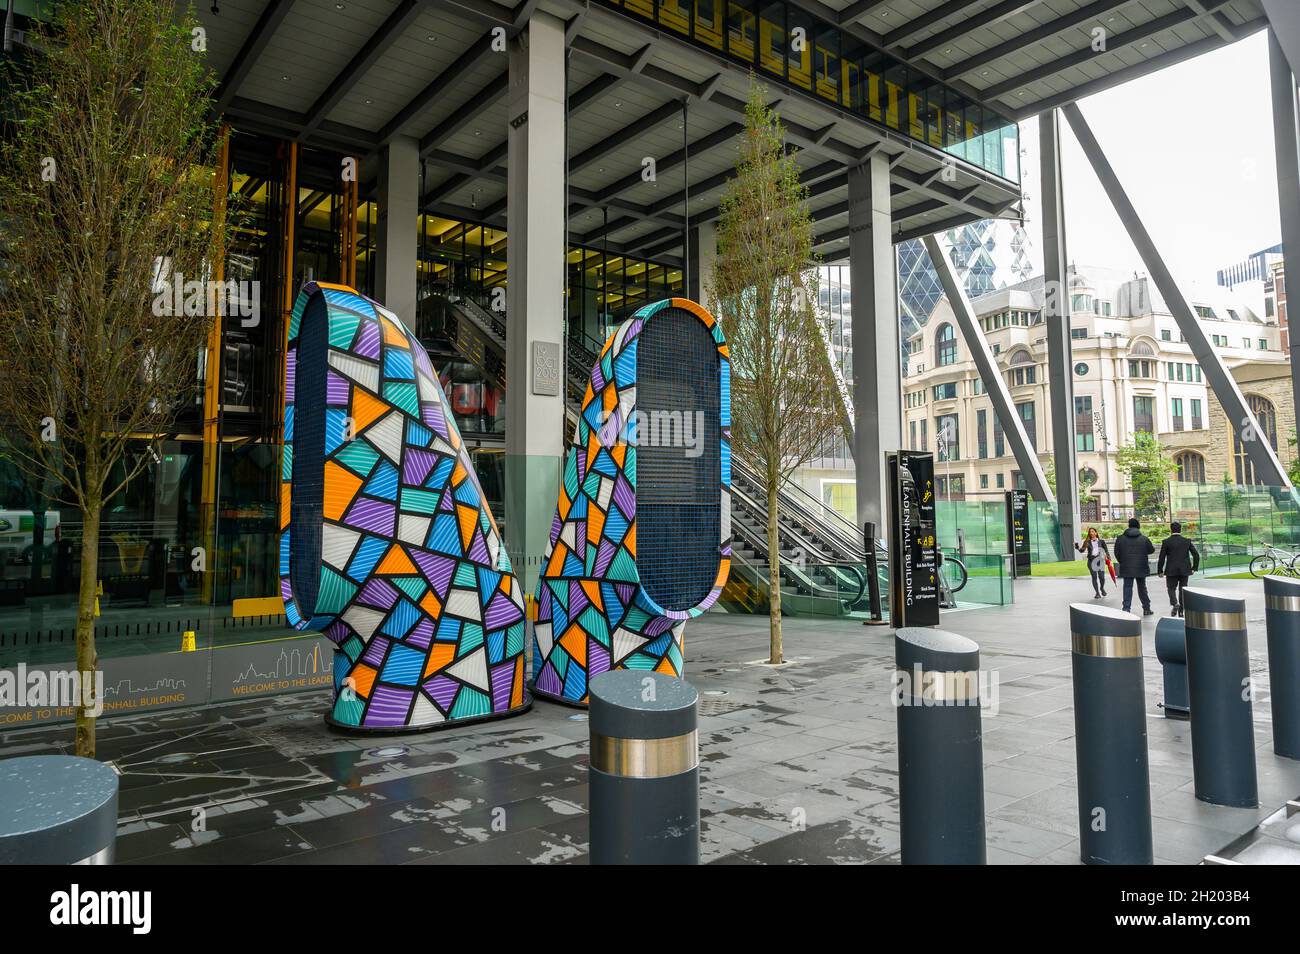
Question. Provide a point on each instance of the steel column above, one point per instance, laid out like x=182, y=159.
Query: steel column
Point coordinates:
x=1056, y=314
x=1012, y=426
x=1288, y=184
x=877, y=354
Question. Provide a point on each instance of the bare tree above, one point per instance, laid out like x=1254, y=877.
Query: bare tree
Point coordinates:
x=107, y=195
x=784, y=400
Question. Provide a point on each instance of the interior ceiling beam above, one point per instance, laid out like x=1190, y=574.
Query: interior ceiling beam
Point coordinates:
x=857, y=10
x=277, y=121
x=982, y=18
x=389, y=32
x=670, y=161
x=1151, y=65
x=617, y=139
x=1217, y=21
x=255, y=43
x=895, y=37
x=477, y=102
x=1118, y=41
x=465, y=170
x=483, y=10
x=437, y=88
x=1023, y=41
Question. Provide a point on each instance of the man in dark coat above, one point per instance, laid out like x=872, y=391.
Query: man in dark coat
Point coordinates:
x=1177, y=561
x=1132, y=547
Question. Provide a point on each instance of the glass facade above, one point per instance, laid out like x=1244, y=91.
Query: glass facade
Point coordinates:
x=784, y=44
x=197, y=532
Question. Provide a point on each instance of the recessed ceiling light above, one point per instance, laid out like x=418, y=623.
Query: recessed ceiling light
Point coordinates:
x=285, y=77
x=370, y=102
x=339, y=6
x=478, y=132
x=618, y=104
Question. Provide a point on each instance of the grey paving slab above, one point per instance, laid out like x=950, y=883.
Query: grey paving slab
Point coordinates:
x=798, y=764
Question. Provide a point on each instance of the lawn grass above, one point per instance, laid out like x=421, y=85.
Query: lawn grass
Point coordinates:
x=1062, y=569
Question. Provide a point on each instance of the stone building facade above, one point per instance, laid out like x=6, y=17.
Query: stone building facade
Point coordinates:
x=1132, y=372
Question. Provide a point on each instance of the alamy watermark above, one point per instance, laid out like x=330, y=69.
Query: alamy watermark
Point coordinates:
x=920, y=687
x=21, y=688
x=175, y=295
x=657, y=428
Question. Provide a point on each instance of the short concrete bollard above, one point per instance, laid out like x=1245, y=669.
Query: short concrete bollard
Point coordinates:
x=645, y=769
x=57, y=810
x=1282, y=612
x=1171, y=650
x=1219, y=689
x=1110, y=736
x=940, y=748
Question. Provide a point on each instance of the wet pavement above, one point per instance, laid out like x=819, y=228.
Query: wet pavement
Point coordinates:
x=798, y=762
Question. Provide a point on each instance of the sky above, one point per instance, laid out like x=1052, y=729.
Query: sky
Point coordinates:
x=1193, y=146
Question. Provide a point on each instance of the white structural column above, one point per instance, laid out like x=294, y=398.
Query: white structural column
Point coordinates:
x=1288, y=186
x=1268, y=467
x=1056, y=311
x=877, y=357
x=704, y=255
x=535, y=216
x=1012, y=425
x=397, y=221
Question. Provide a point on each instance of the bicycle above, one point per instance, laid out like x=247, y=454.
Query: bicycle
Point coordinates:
x=1274, y=561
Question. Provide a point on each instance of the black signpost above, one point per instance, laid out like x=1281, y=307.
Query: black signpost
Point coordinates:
x=913, y=546
x=1018, y=531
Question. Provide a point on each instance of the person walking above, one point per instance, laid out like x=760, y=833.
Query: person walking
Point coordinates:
x=1178, y=560
x=1096, y=552
x=1132, y=547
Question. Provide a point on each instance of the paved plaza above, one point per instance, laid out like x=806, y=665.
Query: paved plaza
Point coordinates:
x=798, y=762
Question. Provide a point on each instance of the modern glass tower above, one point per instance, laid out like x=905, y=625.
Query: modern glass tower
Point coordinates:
x=987, y=255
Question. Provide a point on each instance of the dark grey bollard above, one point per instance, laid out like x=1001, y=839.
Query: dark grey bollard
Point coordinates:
x=940, y=748
x=57, y=810
x=1110, y=736
x=1171, y=650
x=1282, y=612
x=1218, y=682
x=645, y=769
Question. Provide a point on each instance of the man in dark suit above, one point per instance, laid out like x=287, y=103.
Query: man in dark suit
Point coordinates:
x=1177, y=561
x=1132, y=547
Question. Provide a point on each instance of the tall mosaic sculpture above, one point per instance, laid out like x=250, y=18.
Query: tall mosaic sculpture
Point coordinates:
x=641, y=540
x=387, y=545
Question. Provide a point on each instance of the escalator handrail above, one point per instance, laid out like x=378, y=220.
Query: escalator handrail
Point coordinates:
x=485, y=319
x=835, y=538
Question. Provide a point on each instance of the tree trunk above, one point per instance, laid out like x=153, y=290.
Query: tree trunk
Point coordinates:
x=774, y=579
x=87, y=658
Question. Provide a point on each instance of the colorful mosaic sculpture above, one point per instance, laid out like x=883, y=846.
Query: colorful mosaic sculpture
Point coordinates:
x=641, y=540
x=387, y=545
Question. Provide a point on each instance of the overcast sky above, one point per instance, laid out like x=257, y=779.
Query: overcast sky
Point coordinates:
x=1193, y=146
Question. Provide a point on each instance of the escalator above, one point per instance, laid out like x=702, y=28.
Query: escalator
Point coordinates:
x=822, y=562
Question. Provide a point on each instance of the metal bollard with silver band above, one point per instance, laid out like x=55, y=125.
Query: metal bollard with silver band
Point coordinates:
x=57, y=810
x=940, y=748
x=1171, y=650
x=1110, y=736
x=1282, y=613
x=1218, y=682
x=645, y=769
